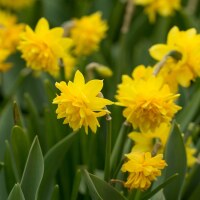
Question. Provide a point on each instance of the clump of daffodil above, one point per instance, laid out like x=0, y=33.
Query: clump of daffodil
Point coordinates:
x=142, y=169
x=145, y=141
x=162, y=7
x=87, y=33
x=43, y=48
x=80, y=104
x=9, y=31
x=148, y=101
x=187, y=67
x=16, y=4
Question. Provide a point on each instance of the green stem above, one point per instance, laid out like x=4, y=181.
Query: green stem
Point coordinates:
x=76, y=185
x=108, y=149
x=118, y=147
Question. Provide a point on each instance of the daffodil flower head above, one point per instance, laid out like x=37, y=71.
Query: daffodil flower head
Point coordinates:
x=9, y=31
x=142, y=169
x=162, y=7
x=80, y=104
x=87, y=33
x=185, y=69
x=145, y=141
x=148, y=103
x=43, y=47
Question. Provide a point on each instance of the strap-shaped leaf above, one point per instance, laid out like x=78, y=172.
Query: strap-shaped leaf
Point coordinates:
x=175, y=157
x=53, y=159
x=16, y=193
x=33, y=171
x=100, y=189
x=20, y=147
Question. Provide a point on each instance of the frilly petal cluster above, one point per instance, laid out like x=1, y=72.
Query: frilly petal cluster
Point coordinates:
x=9, y=37
x=145, y=141
x=87, y=33
x=186, y=68
x=162, y=7
x=142, y=169
x=16, y=4
x=79, y=103
x=43, y=47
x=148, y=101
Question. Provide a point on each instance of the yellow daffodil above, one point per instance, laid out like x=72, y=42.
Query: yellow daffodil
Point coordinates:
x=142, y=169
x=187, y=67
x=190, y=151
x=144, y=141
x=162, y=7
x=16, y=4
x=79, y=103
x=148, y=103
x=43, y=47
x=9, y=31
x=87, y=33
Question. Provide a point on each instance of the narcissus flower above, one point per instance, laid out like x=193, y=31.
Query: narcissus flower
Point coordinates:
x=43, y=47
x=190, y=153
x=9, y=31
x=145, y=141
x=16, y=4
x=69, y=63
x=148, y=103
x=87, y=33
x=79, y=103
x=162, y=7
x=185, y=69
x=142, y=169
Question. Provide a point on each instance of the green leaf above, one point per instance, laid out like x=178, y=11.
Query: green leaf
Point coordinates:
x=10, y=170
x=161, y=186
x=186, y=115
x=175, y=157
x=16, y=193
x=55, y=194
x=17, y=114
x=99, y=189
x=20, y=147
x=33, y=171
x=53, y=159
x=196, y=194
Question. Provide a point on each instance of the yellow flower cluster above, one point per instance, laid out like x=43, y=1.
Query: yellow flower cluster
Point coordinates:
x=142, y=168
x=145, y=141
x=8, y=29
x=187, y=67
x=16, y=4
x=79, y=103
x=87, y=33
x=148, y=101
x=43, y=48
x=162, y=7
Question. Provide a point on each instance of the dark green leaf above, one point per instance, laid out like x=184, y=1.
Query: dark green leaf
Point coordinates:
x=20, y=147
x=187, y=114
x=33, y=171
x=16, y=193
x=100, y=189
x=196, y=194
x=55, y=194
x=175, y=157
x=53, y=159
x=154, y=191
